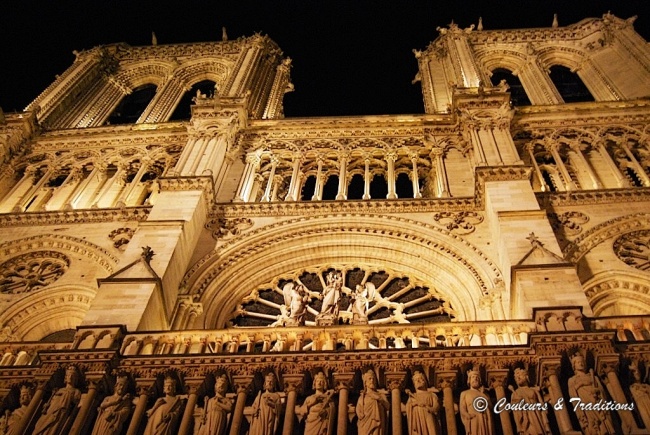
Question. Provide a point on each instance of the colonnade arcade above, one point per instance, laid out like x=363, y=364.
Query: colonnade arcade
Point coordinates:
x=356, y=169
x=91, y=178
x=582, y=159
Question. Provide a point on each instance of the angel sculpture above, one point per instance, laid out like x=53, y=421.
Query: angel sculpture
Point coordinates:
x=361, y=299
x=295, y=303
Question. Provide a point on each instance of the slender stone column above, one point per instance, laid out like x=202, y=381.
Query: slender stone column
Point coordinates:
x=21, y=426
x=343, y=384
x=620, y=179
x=415, y=177
x=269, y=183
x=639, y=169
x=343, y=179
x=442, y=186
x=568, y=182
x=446, y=380
x=81, y=188
x=108, y=184
x=202, y=145
x=538, y=171
x=24, y=201
x=241, y=383
x=608, y=370
x=497, y=379
x=248, y=178
x=295, y=180
x=318, y=187
x=595, y=183
x=391, y=156
x=366, y=179
x=86, y=404
x=549, y=369
x=292, y=386
x=126, y=193
x=142, y=386
x=394, y=382
x=188, y=414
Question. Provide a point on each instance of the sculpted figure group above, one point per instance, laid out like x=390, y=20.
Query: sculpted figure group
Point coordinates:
x=527, y=406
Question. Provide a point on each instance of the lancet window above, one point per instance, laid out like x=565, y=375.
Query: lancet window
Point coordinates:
x=569, y=85
x=183, y=110
x=133, y=105
x=518, y=94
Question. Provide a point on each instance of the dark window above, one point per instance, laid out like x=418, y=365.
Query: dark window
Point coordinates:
x=378, y=187
x=355, y=188
x=308, y=188
x=132, y=106
x=331, y=188
x=517, y=92
x=404, y=186
x=569, y=85
x=184, y=108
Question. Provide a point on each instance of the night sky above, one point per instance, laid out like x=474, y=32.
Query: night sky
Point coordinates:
x=350, y=57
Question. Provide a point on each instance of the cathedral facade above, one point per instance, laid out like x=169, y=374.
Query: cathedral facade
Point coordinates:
x=176, y=256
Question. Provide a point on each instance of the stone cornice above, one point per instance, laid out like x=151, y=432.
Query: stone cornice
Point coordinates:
x=574, y=114
x=317, y=208
x=74, y=216
x=575, y=31
x=604, y=196
x=351, y=127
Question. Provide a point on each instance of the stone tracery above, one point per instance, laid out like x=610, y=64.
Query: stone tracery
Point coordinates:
x=32, y=271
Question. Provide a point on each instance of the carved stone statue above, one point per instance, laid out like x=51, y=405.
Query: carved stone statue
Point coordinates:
x=372, y=407
x=295, y=301
x=12, y=419
x=267, y=409
x=215, y=411
x=61, y=406
x=114, y=410
x=641, y=394
x=332, y=294
x=319, y=407
x=165, y=412
x=529, y=421
x=587, y=387
x=422, y=408
x=361, y=299
x=476, y=421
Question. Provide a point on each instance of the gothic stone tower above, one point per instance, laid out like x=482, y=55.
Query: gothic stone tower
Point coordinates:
x=166, y=234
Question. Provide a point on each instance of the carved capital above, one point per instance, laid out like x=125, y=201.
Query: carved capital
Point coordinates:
x=395, y=380
x=446, y=379
x=606, y=364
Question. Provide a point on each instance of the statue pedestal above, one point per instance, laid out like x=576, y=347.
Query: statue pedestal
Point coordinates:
x=327, y=319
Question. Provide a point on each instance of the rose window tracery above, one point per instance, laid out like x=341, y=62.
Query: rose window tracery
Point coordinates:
x=32, y=271
x=331, y=296
x=634, y=249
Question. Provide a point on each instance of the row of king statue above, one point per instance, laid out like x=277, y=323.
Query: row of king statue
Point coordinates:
x=318, y=402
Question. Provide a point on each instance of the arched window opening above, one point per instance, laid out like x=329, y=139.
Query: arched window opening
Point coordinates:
x=569, y=85
x=132, y=105
x=184, y=108
x=331, y=188
x=308, y=188
x=378, y=187
x=549, y=181
x=404, y=186
x=518, y=94
x=355, y=188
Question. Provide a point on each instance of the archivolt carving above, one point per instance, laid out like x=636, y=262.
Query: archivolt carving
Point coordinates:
x=604, y=231
x=32, y=271
x=63, y=243
x=626, y=295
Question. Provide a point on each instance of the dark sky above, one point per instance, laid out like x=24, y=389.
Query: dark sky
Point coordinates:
x=350, y=57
